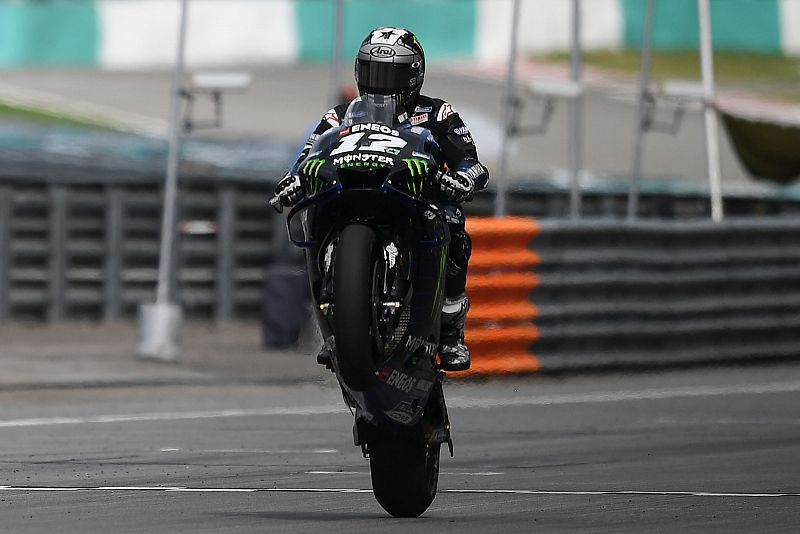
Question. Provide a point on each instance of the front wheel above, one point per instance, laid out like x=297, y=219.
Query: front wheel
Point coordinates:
x=405, y=473
x=353, y=306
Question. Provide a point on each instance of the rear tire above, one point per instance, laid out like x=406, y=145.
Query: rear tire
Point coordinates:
x=405, y=472
x=353, y=303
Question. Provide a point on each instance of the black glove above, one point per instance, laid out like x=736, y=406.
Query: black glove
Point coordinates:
x=289, y=190
x=457, y=186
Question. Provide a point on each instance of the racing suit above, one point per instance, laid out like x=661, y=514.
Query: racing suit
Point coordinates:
x=460, y=156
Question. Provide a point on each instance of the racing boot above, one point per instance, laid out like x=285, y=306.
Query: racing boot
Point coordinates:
x=453, y=353
x=325, y=355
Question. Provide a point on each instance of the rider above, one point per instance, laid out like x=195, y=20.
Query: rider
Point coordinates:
x=391, y=61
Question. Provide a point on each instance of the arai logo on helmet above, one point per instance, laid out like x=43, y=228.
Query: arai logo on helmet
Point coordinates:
x=381, y=51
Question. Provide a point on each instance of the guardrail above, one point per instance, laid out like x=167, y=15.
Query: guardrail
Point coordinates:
x=89, y=249
x=85, y=246
x=624, y=294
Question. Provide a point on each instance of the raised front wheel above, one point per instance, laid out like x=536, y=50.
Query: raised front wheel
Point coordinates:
x=353, y=315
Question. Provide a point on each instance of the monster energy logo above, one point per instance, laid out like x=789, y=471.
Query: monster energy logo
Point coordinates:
x=311, y=170
x=312, y=167
x=417, y=167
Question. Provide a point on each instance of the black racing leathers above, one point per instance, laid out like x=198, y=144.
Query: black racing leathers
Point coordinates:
x=459, y=153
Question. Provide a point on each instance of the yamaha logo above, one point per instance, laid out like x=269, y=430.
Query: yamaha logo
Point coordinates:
x=381, y=51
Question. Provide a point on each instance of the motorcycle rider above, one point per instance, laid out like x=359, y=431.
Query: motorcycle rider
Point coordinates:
x=391, y=61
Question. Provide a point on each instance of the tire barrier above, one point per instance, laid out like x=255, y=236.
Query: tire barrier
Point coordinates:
x=500, y=326
x=617, y=294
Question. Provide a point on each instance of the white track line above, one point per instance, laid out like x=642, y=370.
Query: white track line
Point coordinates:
x=251, y=451
x=181, y=489
x=453, y=402
x=172, y=416
x=618, y=396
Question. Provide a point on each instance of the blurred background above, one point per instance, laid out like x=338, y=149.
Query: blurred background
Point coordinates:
x=85, y=98
x=655, y=237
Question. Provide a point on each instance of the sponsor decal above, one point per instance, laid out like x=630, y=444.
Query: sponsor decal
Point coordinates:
x=398, y=379
x=402, y=413
x=363, y=160
x=429, y=215
x=424, y=385
x=415, y=343
x=312, y=167
x=371, y=127
x=423, y=109
x=416, y=120
x=462, y=130
x=390, y=254
x=445, y=111
x=417, y=166
x=467, y=139
x=344, y=132
x=331, y=118
x=382, y=51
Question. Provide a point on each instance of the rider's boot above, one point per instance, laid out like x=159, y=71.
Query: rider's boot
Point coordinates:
x=325, y=356
x=452, y=350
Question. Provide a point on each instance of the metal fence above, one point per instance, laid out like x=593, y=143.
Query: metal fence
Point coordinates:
x=87, y=248
x=90, y=249
x=616, y=294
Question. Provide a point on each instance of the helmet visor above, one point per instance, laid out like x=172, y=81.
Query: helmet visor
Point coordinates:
x=385, y=78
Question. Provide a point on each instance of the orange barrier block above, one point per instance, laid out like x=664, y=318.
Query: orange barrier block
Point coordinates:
x=500, y=328
x=483, y=314
x=487, y=341
x=505, y=227
x=492, y=232
x=501, y=286
x=502, y=259
x=507, y=364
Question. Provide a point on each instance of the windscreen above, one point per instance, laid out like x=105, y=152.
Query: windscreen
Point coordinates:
x=381, y=109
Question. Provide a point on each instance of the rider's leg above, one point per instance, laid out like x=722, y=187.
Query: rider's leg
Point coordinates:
x=452, y=350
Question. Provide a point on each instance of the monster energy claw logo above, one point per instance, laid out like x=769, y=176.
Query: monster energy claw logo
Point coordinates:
x=417, y=167
x=311, y=170
x=312, y=167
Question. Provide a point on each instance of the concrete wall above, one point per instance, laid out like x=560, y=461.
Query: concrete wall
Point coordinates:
x=122, y=34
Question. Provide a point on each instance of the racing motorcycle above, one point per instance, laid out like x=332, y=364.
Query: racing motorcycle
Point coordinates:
x=376, y=253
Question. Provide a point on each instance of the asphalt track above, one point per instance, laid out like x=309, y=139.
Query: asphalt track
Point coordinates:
x=703, y=450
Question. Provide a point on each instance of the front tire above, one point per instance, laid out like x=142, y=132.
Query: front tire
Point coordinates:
x=353, y=303
x=405, y=472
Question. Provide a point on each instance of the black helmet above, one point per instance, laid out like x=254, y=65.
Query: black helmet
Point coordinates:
x=391, y=61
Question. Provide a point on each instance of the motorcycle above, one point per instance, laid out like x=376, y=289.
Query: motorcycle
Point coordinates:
x=376, y=253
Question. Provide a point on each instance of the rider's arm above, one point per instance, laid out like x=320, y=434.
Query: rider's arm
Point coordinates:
x=288, y=189
x=457, y=144
x=330, y=119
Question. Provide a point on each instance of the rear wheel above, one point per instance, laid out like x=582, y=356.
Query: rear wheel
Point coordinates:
x=405, y=472
x=353, y=309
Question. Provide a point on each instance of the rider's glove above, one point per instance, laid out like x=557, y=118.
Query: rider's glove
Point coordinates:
x=289, y=190
x=456, y=186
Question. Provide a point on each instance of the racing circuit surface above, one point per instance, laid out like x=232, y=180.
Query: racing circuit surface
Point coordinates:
x=704, y=450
